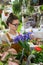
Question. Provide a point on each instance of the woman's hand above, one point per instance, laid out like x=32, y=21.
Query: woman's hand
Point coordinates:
x=12, y=51
x=4, y=55
x=1, y=55
x=12, y=63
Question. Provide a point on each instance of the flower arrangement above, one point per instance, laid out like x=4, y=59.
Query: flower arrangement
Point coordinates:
x=22, y=40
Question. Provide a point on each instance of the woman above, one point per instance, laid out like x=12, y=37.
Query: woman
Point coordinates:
x=12, y=23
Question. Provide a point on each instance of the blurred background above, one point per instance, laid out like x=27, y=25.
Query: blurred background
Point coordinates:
x=29, y=12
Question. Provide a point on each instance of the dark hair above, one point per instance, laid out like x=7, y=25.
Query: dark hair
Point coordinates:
x=11, y=18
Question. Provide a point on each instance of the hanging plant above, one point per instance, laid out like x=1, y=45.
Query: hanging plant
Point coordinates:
x=16, y=7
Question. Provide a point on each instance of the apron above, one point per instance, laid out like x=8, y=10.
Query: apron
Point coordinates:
x=16, y=46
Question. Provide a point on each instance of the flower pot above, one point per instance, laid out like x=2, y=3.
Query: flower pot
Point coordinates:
x=6, y=13
x=0, y=11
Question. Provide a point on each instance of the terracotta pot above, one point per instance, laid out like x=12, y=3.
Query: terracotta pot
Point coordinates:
x=0, y=11
x=6, y=13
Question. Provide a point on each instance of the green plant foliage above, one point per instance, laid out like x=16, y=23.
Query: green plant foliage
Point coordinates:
x=20, y=1
x=6, y=64
x=31, y=9
x=19, y=27
x=38, y=55
x=26, y=2
x=3, y=23
x=1, y=63
x=16, y=7
x=41, y=7
x=25, y=45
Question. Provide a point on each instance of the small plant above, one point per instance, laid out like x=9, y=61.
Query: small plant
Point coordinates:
x=38, y=52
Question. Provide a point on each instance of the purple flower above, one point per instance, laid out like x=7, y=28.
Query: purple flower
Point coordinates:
x=27, y=36
x=15, y=40
x=24, y=37
x=29, y=33
x=18, y=38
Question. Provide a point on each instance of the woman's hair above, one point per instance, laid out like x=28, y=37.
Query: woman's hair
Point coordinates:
x=11, y=18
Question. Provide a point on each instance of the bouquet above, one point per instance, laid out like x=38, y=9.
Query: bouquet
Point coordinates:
x=24, y=51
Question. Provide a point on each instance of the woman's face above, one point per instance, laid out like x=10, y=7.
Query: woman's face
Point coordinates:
x=14, y=25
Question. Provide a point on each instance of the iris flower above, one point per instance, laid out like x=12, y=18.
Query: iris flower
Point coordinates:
x=23, y=37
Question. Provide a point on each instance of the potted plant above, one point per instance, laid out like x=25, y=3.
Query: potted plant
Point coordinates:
x=6, y=13
x=38, y=53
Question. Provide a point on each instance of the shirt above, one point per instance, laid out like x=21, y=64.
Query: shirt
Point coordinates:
x=7, y=37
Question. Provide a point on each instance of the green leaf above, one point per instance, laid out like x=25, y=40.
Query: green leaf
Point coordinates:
x=16, y=7
x=19, y=27
x=22, y=44
x=1, y=63
x=41, y=7
x=6, y=64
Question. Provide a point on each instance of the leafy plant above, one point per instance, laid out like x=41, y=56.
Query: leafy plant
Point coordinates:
x=41, y=7
x=38, y=52
x=31, y=8
x=23, y=42
x=1, y=63
x=3, y=23
x=16, y=7
x=26, y=47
